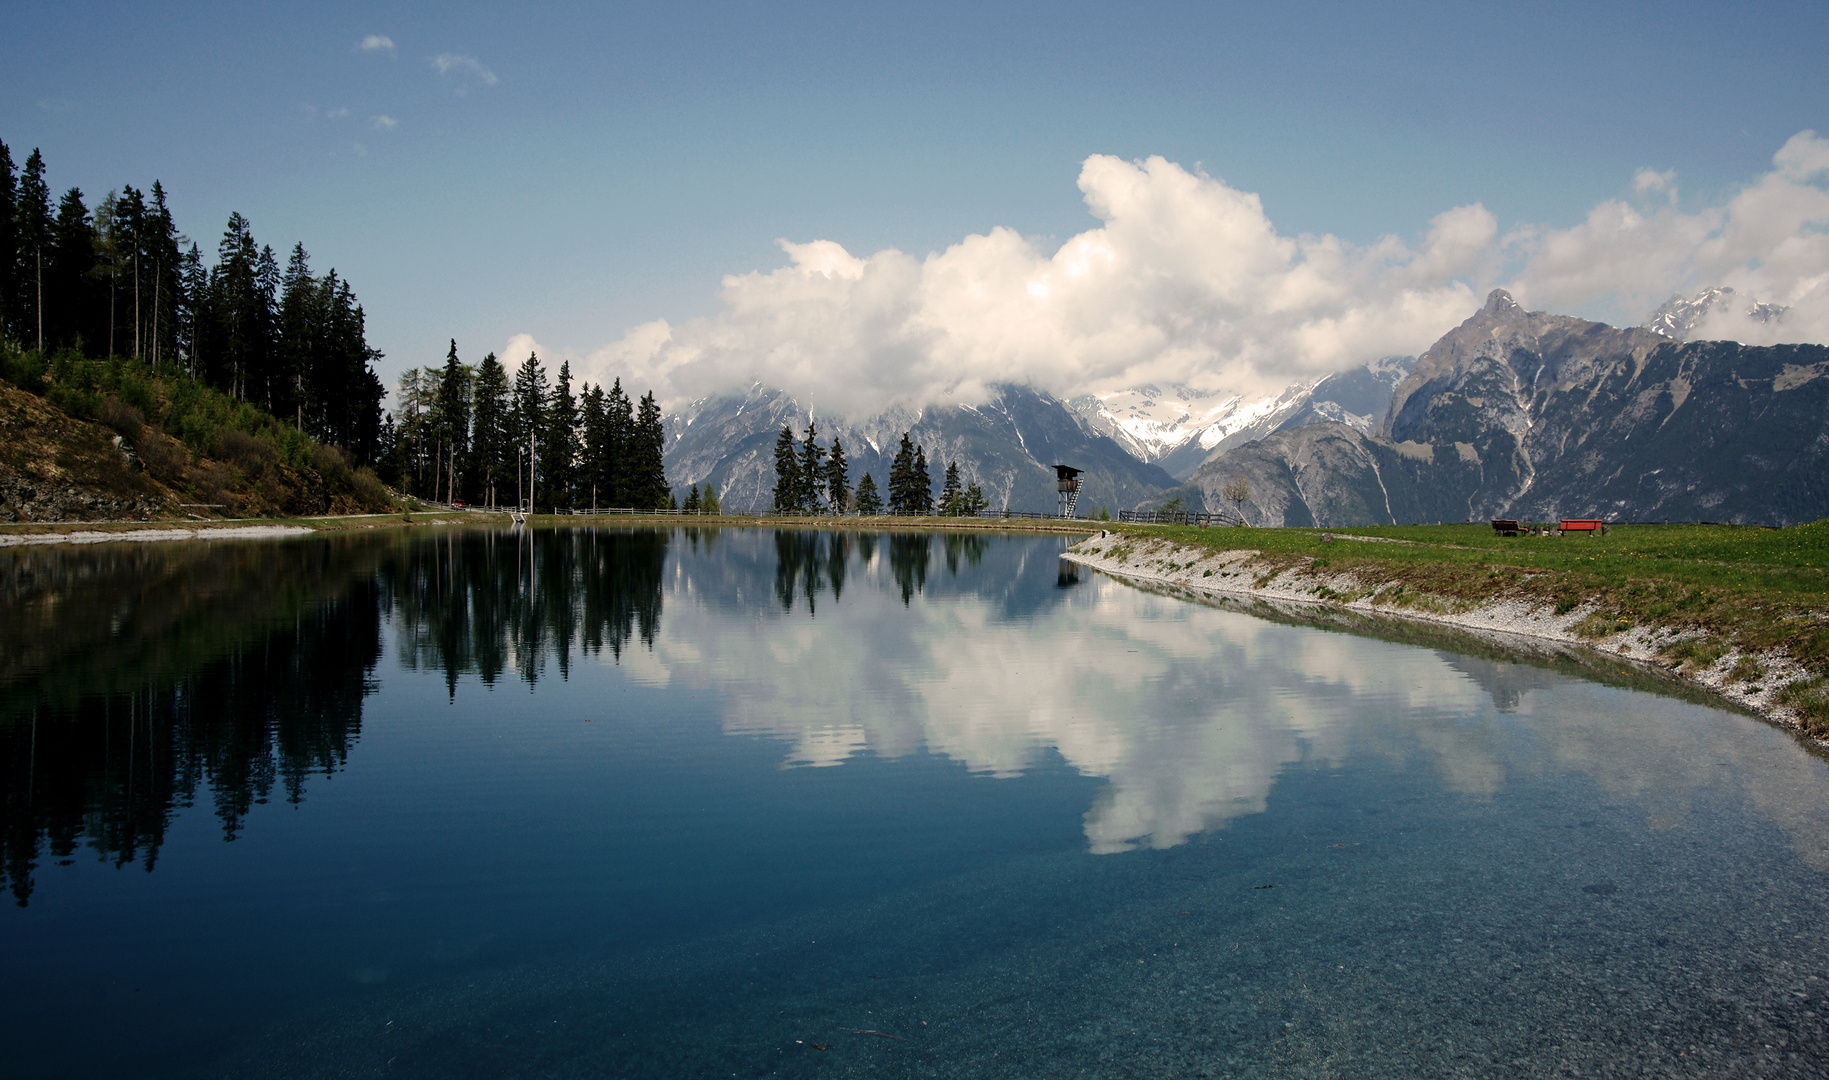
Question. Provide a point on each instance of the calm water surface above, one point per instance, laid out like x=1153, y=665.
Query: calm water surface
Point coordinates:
x=611, y=803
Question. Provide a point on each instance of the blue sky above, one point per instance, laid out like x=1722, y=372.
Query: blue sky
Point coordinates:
x=573, y=171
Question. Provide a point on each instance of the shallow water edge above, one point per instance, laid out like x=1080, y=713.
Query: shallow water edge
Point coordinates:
x=1523, y=632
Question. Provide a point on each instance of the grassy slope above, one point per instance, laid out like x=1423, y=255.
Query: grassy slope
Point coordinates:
x=42, y=443
x=1714, y=590
x=59, y=419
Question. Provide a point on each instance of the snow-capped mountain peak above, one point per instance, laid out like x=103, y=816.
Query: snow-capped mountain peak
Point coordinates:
x=1681, y=316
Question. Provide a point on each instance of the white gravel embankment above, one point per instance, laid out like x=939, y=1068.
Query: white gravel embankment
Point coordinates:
x=230, y=532
x=1241, y=574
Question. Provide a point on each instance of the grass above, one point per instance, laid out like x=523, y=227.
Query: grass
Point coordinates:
x=1709, y=590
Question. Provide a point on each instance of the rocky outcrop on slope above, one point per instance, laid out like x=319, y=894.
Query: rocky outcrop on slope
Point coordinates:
x=1536, y=416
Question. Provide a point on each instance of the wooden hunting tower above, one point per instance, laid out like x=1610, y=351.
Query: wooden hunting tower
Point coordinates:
x=1067, y=487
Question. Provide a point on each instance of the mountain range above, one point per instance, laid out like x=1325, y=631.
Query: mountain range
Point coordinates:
x=1535, y=416
x=1511, y=414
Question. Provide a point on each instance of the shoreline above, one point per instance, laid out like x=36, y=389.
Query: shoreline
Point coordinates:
x=1246, y=574
x=97, y=532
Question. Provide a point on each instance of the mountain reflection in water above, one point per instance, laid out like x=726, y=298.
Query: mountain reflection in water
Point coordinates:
x=136, y=678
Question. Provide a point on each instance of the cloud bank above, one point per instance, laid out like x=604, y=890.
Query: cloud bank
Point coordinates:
x=1186, y=280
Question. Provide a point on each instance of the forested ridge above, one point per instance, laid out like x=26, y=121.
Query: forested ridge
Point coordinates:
x=121, y=280
x=237, y=388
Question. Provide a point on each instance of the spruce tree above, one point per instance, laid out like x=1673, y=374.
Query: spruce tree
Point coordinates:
x=560, y=458
x=167, y=282
x=787, y=473
x=590, y=446
x=837, y=479
x=618, y=431
x=973, y=502
x=921, y=484
x=950, y=491
x=528, y=420
x=67, y=276
x=812, y=471
x=262, y=376
x=32, y=215
x=296, y=353
x=647, y=445
x=869, y=503
x=9, y=247
x=708, y=499
x=491, y=452
x=691, y=505
x=902, y=499
x=195, y=282
x=452, y=423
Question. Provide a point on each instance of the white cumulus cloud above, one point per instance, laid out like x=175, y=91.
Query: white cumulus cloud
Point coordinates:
x=376, y=43
x=1186, y=280
x=467, y=70
x=1769, y=241
x=383, y=123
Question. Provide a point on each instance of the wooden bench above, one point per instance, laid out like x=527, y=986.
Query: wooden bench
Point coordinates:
x=1505, y=527
x=1588, y=525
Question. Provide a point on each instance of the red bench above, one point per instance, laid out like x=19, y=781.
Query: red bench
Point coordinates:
x=1587, y=525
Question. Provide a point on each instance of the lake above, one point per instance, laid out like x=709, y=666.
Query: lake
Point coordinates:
x=638, y=803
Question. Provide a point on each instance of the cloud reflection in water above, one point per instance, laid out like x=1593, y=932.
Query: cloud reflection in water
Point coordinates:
x=1190, y=713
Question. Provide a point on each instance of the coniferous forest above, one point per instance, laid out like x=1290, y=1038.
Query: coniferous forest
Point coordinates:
x=118, y=280
x=112, y=314
x=463, y=433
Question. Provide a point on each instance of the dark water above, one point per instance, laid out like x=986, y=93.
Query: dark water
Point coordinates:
x=619, y=804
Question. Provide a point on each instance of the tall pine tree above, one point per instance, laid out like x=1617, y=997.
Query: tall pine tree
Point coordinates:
x=922, y=484
x=903, y=499
x=562, y=449
x=33, y=230
x=9, y=246
x=527, y=423
x=812, y=472
x=491, y=452
x=452, y=423
x=950, y=491
x=647, y=445
x=869, y=503
x=837, y=480
x=787, y=472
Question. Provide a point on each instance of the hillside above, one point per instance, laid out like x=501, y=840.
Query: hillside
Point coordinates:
x=1537, y=416
x=78, y=450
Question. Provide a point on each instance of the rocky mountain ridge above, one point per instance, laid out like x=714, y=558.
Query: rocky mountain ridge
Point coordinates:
x=1537, y=416
x=1180, y=428
x=1008, y=446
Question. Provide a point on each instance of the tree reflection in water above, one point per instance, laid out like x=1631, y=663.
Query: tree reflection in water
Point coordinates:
x=808, y=562
x=137, y=675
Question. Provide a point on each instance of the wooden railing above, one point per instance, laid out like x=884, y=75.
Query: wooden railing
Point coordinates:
x=1177, y=517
